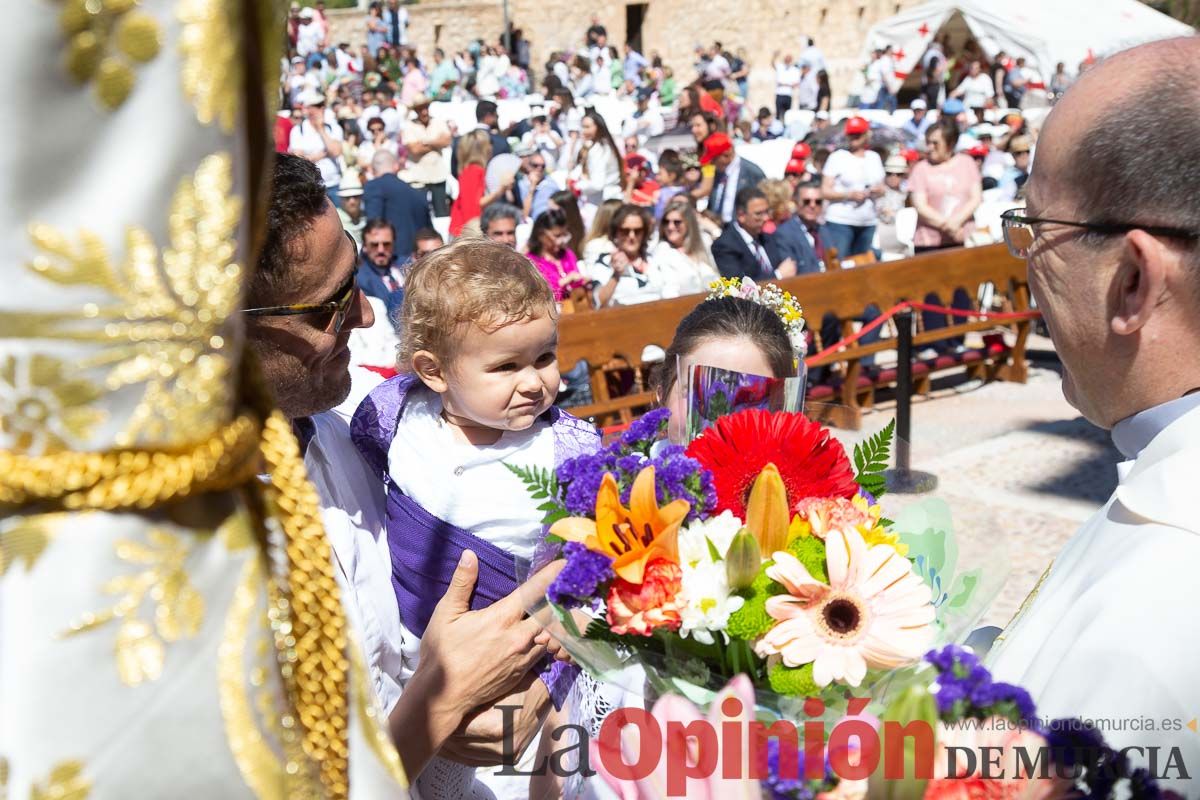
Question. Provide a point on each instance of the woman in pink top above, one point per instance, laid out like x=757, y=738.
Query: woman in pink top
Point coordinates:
x=550, y=253
x=945, y=189
x=415, y=82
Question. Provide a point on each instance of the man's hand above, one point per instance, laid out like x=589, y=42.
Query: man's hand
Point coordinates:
x=480, y=740
x=483, y=654
x=786, y=268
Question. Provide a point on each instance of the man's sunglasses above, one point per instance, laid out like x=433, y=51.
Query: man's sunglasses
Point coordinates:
x=812, y=201
x=338, y=305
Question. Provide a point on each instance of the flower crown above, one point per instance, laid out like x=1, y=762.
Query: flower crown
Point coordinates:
x=781, y=302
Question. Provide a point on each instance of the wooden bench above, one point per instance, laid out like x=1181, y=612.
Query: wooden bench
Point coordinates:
x=615, y=337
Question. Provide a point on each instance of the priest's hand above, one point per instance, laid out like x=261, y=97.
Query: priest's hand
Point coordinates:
x=484, y=654
x=467, y=659
x=500, y=732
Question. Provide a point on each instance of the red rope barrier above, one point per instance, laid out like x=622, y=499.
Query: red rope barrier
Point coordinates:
x=891, y=312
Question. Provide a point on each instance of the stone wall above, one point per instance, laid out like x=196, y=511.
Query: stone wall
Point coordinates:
x=670, y=28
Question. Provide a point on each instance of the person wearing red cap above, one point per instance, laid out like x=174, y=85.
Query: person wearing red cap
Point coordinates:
x=797, y=170
x=852, y=179
x=733, y=174
x=640, y=188
x=795, y=173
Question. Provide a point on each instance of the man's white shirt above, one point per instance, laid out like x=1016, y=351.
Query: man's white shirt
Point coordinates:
x=1111, y=634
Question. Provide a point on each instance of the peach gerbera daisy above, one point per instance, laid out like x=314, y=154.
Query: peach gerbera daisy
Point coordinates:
x=875, y=612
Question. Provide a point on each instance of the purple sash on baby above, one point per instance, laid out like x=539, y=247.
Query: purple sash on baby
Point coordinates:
x=425, y=549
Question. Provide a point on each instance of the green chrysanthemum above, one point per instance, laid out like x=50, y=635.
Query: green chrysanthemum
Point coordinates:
x=793, y=681
x=810, y=551
x=751, y=620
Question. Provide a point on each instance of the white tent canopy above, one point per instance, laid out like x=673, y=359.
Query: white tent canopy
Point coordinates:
x=1045, y=32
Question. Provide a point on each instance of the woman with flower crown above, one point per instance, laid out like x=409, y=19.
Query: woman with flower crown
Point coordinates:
x=741, y=327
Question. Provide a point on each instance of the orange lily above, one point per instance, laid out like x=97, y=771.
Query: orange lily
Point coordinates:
x=631, y=536
x=767, y=510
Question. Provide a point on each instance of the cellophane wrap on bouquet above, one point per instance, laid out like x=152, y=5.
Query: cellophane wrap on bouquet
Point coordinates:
x=759, y=549
x=169, y=626
x=711, y=393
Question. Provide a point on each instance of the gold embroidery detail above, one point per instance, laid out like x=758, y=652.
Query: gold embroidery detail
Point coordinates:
x=133, y=478
x=260, y=766
x=3, y=778
x=27, y=539
x=163, y=324
x=42, y=408
x=178, y=607
x=104, y=37
x=65, y=782
x=212, y=70
x=1025, y=604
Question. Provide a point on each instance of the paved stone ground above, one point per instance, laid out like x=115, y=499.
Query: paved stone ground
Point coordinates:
x=1019, y=467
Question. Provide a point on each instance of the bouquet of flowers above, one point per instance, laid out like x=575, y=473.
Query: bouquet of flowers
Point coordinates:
x=759, y=549
x=964, y=736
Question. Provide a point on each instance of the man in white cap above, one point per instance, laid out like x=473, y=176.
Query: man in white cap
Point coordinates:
x=914, y=129
x=319, y=141
x=309, y=36
x=350, y=211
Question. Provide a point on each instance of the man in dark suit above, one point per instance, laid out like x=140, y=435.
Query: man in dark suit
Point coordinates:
x=379, y=272
x=742, y=251
x=389, y=198
x=487, y=117
x=733, y=174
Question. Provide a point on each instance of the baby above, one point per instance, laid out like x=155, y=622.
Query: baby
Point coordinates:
x=479, y=374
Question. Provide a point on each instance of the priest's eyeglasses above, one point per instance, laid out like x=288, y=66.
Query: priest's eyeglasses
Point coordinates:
x=338, y=306
x=1019, y=234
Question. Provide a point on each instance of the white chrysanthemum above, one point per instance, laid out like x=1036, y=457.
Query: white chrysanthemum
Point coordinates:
x=705, y=602
x=694, y=539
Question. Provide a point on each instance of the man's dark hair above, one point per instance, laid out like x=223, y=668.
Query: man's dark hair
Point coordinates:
x=427, y=235
x=729, y=318
x=485, y=108
x=1140, y=160
x=297, y=199
x=495, y=211
x=744, y=197
x=376, y=224
x=808, y=184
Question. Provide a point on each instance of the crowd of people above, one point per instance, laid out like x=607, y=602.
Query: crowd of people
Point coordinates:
x=598, y=204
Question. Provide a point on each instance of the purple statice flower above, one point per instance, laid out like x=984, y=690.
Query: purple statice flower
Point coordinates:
x=582, y=477
x=579, y=582
x=630, y=465
x=1008, y=693
x=780, y=787
x=643, y=432
x=679, y=477
x=870, y=498
x=948, y=694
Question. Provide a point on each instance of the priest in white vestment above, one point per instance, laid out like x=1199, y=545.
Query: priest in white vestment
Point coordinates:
x=1112, y=236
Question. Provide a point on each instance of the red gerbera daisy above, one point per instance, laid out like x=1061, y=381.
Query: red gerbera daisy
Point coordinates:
x=735, y=449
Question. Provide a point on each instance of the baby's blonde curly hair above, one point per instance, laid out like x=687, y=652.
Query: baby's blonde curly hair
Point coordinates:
x=472, y=281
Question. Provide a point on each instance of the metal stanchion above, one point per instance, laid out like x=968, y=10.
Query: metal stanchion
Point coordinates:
x=903, y=479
